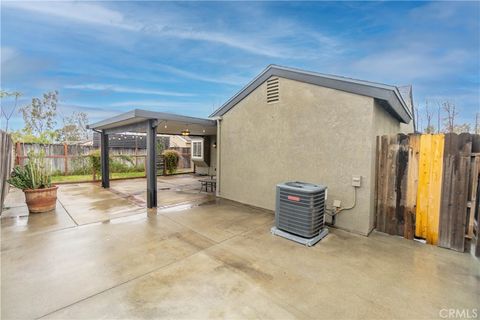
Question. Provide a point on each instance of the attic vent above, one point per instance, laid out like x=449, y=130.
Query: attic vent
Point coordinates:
x=273, y=90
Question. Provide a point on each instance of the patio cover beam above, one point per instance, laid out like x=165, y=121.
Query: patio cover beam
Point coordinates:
x=133, y=121
x=104, y=159
x=150, y=163
x=134, y=127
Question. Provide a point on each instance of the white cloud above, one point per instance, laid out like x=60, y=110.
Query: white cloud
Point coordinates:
x=434, y=11
x=122, y=89
x=92, y=112
x=265, y=41
x=77, y=11
x=231, y=79
x=229, y=39
x=17, y=66
x=410, y=65
x=7, y=54
x=156, y=104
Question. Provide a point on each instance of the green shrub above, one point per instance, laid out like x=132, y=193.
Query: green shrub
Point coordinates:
x=80, y=166
x=33, y=175
x=126, y=158
x=171, y=160
x=94, y=161
x=118, y=166
x=138, y=168
x=122, y=163
x=57, y=173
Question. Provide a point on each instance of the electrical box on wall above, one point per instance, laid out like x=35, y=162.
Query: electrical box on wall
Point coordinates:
x=356, y=181
x=337, y=203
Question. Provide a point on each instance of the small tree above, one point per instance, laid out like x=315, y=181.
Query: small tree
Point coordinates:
x=28, y=137
x=39, y=115
x=477, y=123
x=460, y=128
x=451, y=112
x=74, y=127
x=429, y=116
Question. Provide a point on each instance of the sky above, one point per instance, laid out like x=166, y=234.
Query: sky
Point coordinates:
x=188, y=58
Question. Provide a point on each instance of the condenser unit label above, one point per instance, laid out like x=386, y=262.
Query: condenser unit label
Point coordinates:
x=293, y=198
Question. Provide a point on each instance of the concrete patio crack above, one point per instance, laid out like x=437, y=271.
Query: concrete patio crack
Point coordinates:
x=68, y=213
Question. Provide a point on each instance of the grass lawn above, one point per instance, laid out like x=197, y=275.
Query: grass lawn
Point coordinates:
x=88, y=177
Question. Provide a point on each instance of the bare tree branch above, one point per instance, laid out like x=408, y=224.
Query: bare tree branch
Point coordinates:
x=451, y=114
x=8, y=115
x=429, y=115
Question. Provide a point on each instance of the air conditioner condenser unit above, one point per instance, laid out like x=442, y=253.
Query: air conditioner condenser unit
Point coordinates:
x=300, y=212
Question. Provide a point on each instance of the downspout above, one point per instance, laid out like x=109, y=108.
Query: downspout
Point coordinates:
x=219, y=154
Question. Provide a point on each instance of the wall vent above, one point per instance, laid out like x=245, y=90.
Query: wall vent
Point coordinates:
x=273, y=90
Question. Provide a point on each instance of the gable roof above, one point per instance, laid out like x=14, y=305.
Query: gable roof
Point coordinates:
x=388, y=96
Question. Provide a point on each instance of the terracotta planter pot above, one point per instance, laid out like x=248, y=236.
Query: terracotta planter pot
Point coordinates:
x=41, y=200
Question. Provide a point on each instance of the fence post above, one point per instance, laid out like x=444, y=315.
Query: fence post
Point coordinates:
x=6, y=149
x=65, y=159
x=136, y=153
x=17, y=152
x=104, y=158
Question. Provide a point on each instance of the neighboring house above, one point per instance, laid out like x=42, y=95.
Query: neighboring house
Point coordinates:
x=336, y=119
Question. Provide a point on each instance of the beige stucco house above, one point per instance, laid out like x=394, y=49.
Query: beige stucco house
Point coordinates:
x=289, y=124
x=286, y=124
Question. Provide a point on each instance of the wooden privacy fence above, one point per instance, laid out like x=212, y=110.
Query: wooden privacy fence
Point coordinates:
x=5, y=164
x=66, y=158
x=427, y=187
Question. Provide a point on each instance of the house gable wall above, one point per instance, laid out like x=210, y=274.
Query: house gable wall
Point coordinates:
x=313, y=134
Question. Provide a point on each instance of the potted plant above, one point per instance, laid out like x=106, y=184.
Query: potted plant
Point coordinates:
x=36, y=183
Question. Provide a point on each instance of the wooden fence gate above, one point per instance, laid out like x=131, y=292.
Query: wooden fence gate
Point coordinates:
x=427, y=186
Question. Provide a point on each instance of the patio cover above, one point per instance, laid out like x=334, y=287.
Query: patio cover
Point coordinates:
x=151, y=123
x=167, y=123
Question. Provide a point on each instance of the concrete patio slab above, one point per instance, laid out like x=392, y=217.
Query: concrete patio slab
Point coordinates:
x=56, y=269
x=171, y=189
x=219, y=222
x=348, y=276
x=214, y=259
x=16, y=222
x=15, y=198
x=197, y=287
x=89, y=203
x=257, y=275
x=137, y=186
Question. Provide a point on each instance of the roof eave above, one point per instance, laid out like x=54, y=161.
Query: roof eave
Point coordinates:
x=121, y=117
x=139, y=115
x=374, y=90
